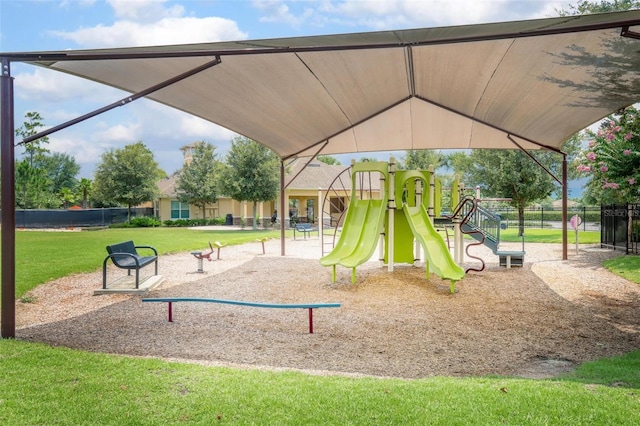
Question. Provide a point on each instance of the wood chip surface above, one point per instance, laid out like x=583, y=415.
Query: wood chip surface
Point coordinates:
x=536, y=321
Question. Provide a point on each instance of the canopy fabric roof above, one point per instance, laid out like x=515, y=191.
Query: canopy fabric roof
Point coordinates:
x=534, y=82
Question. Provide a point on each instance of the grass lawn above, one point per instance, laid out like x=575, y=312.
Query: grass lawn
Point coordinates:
x=50, y=386
x=59, y=386
x=535, y=235
x=64, y=253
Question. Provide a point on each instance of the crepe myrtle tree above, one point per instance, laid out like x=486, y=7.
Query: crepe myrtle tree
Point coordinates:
x=612, y=159
x=250, y=173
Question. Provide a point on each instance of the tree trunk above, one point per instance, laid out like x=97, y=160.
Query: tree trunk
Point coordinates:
x=204, y=214
x=255, y=217
x=520, y=220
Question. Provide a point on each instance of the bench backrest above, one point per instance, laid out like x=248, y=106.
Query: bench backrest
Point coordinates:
x=303, y=226
x=124, y=247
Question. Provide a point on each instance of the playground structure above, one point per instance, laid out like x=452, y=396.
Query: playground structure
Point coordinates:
x=398, y=212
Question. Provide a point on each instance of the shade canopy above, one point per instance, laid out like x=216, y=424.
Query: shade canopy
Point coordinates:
x=534, y=82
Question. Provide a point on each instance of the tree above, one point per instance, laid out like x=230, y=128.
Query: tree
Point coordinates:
x=611, y=156
x=196, y=183
x=584, y=7
x=67, y=196
x=328, y=159
x=61, y=170
x=250, y=173
x=31, y=181
x=34, y=122
x=612, y=159
x=510, y=174
x=127, y=176
x=84, y=190
x=421, y=159
x=32, y=188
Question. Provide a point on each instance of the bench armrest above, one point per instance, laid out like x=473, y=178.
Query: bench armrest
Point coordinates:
x=148, y=247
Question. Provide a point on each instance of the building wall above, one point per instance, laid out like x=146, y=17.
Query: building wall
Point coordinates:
x=220, y=209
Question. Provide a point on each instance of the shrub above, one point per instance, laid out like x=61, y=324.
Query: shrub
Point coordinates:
x=145, y=222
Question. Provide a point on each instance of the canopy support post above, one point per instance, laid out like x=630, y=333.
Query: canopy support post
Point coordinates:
x=8, y=194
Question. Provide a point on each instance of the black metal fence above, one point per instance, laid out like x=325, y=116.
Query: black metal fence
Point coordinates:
x=621, y=227
x=86, y=218
x=546, y=217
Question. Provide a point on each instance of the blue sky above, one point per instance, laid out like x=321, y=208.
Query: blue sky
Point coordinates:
x=35, y=25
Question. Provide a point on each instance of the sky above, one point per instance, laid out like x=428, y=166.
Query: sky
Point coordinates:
x=40, y=25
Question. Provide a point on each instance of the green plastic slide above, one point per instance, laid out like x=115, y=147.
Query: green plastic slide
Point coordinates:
x=436, y=251
x=359, y=237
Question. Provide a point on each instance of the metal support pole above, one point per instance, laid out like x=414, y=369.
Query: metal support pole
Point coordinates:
x=565, y=196
x=7, y=192
x=282, y=211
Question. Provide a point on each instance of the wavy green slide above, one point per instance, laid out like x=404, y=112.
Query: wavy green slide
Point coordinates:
x=436, y=250
x=360, y=233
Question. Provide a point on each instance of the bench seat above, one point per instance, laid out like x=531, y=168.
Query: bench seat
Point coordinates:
x=124, y=255
x=305, y=228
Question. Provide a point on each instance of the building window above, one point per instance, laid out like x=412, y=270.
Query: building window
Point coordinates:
x=179, y=210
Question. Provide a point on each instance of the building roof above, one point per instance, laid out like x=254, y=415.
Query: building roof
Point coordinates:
x=316, y=175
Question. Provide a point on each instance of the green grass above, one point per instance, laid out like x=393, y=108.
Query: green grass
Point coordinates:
x=43, y=385
x=44, y=256
x=625, y=266
x=537, y=235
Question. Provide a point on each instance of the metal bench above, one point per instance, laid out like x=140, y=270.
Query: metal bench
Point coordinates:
x=305, y=228
x=125, y=256
x=309, y=306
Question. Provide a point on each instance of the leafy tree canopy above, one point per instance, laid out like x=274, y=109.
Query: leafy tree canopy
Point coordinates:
x=32, y=125
x=250, y=173
x=509, y=174
x=612, y=160
x=421, y=159
x=127, y=176
x=584, y=7
x=60, y=168
x=328, y=159
x=197, y=182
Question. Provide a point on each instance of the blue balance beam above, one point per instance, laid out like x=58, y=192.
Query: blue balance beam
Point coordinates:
x=309, y=306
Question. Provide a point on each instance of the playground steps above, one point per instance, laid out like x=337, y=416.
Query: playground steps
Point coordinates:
x=511, y=258
x=507, y=258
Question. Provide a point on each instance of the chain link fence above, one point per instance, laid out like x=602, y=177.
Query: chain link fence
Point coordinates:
x=85, y=218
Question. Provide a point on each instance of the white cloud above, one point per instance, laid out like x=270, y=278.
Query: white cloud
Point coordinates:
x=198, y=129
x=387, y=14
x=120, y=133
x=163, y=32
x=279, y=12
x=44, y=85
x=144, y=10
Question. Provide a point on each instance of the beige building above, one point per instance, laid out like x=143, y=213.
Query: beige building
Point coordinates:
x=306, y=189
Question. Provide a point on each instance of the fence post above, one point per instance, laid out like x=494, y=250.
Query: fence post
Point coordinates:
x=541, y=217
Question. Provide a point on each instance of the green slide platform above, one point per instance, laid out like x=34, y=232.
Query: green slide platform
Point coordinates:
x=359, y=237
x=437, y=254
